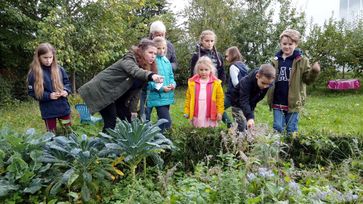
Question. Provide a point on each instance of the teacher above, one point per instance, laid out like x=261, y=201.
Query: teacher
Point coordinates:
x=114, y=92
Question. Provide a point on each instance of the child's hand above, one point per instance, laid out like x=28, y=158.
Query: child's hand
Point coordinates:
x=250, y=123
x=54, y=95
x=186, y=116
x=172, y=87
x=219, y=116
x=316, y=67
x=166, y=89
x=64, y=93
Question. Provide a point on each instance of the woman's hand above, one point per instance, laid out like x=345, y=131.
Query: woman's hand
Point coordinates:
x=157, y=78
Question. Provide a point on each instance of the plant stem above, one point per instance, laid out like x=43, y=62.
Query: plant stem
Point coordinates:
x=145, y=167
x=133, y=174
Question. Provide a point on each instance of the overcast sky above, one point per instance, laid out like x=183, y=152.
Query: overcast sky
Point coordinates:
x=319, y=10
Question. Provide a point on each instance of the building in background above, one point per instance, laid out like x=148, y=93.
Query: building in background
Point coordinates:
x=351, y=10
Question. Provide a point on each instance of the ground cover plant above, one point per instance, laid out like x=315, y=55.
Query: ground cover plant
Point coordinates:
x=323, y=164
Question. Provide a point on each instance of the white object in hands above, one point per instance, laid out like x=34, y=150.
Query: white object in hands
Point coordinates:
x=158, y=86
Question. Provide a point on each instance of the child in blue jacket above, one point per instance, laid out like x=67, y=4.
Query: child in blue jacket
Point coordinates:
x=161, y=95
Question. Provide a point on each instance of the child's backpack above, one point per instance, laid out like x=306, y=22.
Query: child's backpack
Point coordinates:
x=243, y=69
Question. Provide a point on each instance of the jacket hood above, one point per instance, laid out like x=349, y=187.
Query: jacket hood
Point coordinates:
x=297, y=54
x=196, y=78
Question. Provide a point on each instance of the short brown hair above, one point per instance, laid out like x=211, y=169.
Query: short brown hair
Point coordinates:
x=294, y=35
x=267, y=70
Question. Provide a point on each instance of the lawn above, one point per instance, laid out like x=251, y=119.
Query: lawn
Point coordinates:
x=338, y=113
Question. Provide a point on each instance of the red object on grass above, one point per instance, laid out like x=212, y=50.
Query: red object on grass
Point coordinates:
x=343, y=84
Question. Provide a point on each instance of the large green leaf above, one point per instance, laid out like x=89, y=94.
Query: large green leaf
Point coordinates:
x=17, y=166
x=55, y=187
x=6, y=187
x=35, y=186
x=85, y=192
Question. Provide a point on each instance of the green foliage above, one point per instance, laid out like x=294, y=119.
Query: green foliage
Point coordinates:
x=337, y=46
x=18, y=24
x=196, y=145
x=20, y=172
x=320, y=149
x=136, y=141
x=143, y=192
x=256, y=182
x=202, y=14
x=88, y=35
x=323, y=164
x=77, y=166
x=5, y=91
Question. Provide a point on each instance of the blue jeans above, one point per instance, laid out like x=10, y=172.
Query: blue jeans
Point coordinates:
x=163, y=112
x=284, y=119
x=225, y=118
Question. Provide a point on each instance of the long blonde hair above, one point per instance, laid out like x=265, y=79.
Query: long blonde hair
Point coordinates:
x=201, y=37
x=37, y=71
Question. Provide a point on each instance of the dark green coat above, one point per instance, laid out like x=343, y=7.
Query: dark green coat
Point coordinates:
x=112, y=83
x=302, y=75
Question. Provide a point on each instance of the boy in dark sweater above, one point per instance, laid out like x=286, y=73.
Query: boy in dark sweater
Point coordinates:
x=251, y=89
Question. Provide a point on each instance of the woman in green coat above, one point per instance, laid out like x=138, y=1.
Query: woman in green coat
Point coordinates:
x=114, y=91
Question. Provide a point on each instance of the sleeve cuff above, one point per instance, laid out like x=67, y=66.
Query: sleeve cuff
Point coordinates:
x=150, y=77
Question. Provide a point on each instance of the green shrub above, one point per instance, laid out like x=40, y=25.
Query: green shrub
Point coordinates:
x=22, y=177
x=195, y=144
x=5, y=91
x=136, y=141
x=77, y=167
x=319, y=148
x=143, y=192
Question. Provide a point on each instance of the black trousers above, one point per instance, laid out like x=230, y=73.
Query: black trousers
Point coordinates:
x=116, y=109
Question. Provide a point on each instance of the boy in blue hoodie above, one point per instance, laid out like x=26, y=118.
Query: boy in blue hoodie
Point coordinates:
x=293, y=73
